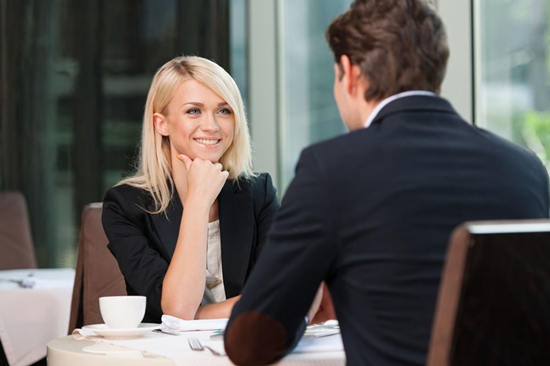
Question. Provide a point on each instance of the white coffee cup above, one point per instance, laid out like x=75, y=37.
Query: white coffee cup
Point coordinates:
x=122, y=311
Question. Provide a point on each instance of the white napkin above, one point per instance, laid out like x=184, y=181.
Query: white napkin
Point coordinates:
x=329, y=343
x=171, y=324
x=330, y=327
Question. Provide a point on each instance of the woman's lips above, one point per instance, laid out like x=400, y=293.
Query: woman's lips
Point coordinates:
x=207, y=141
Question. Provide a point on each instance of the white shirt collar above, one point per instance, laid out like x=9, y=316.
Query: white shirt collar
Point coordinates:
x=384, y=102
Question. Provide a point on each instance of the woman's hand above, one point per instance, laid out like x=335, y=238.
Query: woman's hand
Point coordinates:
x=204, y=180
x=321, y=308
x=217, y=310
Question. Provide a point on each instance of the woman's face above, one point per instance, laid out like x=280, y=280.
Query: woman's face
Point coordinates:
x=199, y=123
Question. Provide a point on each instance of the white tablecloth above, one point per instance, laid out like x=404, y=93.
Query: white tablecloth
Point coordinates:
x=31, y=317
x=68, y=351
x=325, y=350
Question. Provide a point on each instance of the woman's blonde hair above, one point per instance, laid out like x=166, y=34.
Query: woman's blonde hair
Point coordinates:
x=154, y=164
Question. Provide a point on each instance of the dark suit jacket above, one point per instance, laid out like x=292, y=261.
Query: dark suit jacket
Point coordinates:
x=370, y=212
x=143, y=244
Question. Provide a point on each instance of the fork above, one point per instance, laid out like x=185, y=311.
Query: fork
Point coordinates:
x=26, y=282
x=196, y=345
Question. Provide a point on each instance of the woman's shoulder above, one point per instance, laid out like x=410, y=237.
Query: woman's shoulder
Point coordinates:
x=257, y=182
x=127, y=196
x=126, y=191
x=260, y=190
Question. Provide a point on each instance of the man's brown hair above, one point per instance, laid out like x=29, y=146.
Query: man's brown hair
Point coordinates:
x=399, y=45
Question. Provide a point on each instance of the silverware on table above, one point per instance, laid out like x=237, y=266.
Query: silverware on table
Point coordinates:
x=27, y=282
x=166, y=331
x=196, y=345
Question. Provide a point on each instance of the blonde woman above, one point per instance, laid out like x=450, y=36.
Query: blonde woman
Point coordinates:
x=188, y=227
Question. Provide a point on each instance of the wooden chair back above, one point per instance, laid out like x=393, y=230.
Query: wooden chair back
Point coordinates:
x=493, y=306
x=16, y=244
x=97, y=272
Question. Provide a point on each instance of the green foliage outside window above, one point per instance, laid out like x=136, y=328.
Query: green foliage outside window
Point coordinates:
x=537, y=130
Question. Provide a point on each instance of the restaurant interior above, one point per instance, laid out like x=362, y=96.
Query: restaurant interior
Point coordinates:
x=73, y=80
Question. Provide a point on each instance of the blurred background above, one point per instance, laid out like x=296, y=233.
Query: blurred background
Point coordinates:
x=74, y=77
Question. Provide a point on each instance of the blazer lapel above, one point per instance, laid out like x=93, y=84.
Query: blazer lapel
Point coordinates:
x=236, y=230
x=167, y=226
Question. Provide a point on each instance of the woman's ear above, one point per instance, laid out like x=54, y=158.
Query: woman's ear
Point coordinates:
x=160, y=123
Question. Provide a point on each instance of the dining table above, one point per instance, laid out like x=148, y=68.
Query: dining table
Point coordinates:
x=157, y=348
x=34, y=309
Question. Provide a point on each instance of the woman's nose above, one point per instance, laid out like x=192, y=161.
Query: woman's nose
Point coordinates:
x=209, y=123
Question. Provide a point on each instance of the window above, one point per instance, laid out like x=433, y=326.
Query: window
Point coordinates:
x=512, y=64
x=73, y=80
x=308, y=110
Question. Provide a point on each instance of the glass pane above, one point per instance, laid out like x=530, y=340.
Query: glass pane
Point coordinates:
x=309, y=112
x=238, y=43
x=512, y=42
x=77, y=75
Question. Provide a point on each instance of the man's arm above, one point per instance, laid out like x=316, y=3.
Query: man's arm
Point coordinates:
x=269, y=319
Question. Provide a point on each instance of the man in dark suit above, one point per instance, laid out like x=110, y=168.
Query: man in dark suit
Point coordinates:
x=369, y=213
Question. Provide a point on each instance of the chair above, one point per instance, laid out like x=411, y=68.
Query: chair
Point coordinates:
x=16, y=244
x=97, y=272
x=493, y=306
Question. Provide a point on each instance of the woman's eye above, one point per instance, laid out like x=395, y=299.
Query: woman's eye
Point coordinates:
x=193, y=111
x=225, y=111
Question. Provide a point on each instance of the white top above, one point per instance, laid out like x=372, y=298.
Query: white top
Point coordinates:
x=386, y=101
x=214, y=291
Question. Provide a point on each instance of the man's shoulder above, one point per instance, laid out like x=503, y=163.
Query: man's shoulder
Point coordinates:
x=503, y=145
x=346, y=143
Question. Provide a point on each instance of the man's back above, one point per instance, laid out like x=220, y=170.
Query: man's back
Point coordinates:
x=400, y=187
x=370, y=212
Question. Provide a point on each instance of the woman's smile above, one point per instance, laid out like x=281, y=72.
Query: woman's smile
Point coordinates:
x=199, y=123
x=207, y=141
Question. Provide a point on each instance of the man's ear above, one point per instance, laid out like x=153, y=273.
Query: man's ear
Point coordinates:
x=351, y=75
x=160, y=123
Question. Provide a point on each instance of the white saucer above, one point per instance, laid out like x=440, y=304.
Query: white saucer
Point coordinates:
x=110, y=349
x=105, y=331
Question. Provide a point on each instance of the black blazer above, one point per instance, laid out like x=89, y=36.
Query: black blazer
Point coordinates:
x=370, y=212
x=143, y=244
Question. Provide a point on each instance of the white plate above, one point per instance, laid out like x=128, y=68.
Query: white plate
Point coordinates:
x=105, y=331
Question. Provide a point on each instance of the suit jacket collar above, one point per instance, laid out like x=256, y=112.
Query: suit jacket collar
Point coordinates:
x=412, y=103
x=390, y=99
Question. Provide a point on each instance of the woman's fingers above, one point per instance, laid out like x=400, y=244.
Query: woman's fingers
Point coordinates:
x=205, y=178
x=326, y=308
x=186, y=160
